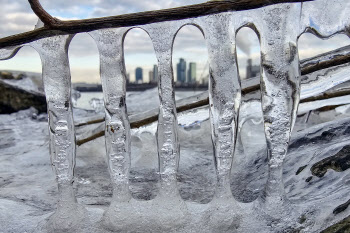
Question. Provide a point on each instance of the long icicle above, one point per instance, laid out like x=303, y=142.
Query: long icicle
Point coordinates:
x=169, y=199
x=117, y=130
x=224, y=95
x=57, y=84
x=280, y=91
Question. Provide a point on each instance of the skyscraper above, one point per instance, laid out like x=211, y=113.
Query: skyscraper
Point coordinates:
x=150, y=76
x=155, y=74
x=192, y=72
x=181, y=71
x=127, y=78
x=252, y=71
x=139, y=75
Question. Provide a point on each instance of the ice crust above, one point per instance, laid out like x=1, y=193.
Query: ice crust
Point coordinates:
x=279, y=27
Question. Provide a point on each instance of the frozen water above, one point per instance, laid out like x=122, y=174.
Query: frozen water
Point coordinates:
x=53, y=52
x=274, y=205
x=320, y=81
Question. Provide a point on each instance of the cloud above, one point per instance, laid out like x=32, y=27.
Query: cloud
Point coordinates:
x=309, y=45
x=16, y=16
x=246, y=39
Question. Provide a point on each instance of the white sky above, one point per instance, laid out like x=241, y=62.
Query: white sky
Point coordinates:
x=16, y=16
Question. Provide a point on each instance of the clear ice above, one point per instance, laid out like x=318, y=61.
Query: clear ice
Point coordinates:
x=278, y=27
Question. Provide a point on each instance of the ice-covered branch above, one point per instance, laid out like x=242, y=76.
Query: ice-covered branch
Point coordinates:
x=54, y=27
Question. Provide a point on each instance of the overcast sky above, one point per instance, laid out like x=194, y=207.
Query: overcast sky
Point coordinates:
x=16, y=16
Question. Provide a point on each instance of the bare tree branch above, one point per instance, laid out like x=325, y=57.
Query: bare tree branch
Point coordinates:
x=55, y=27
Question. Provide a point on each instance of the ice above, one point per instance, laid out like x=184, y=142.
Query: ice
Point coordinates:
x=172, y=210
x=224, y=94
x=117, y=129
x=320, y=81
x=309, y=106
x=280, y=95
x=319, y=18
x=97, y=105
x=75, y=96
x=273, y=199
x=53, y=52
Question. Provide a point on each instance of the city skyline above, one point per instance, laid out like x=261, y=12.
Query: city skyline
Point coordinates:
x=17, y=16
x=182, y=74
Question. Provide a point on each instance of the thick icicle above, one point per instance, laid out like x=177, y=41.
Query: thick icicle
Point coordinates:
x=280, y=90
x=117, y=131
x=224, y=100
x=113, y=77
x=162, y=36
x=171, y=209
x=57, y=84
x=224, y=94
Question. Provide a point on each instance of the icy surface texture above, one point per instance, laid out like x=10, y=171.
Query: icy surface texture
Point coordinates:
x=172, y=211
x=224, y=94
x=224, y=102
x=162, y=36
x=280, y=93
x=325, y=18
x=10, y=52
x=57, y=84
x=318, y=82
x=117, y=131
x=271, y=210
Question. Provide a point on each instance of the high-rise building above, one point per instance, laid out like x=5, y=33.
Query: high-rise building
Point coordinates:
x=181, y=71
x=155, y=74
x=127, y=78
x=150, y=76
x=252, y=71
x=139, y=75
x=192, y=72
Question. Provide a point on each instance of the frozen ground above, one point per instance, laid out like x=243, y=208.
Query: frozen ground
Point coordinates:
x=28, y=190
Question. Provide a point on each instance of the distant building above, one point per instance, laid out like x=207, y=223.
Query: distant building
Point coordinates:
x=205, y=80
x=150, y=76
x=192, y=72
x=155, y=74
x=252, y=71
x=139, y=75
x=127, y=78
x=181, y=71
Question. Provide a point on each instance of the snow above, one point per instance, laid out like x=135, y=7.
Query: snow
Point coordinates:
x=171, y=178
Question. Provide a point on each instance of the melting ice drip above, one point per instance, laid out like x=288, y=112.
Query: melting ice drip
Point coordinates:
x=279, y=27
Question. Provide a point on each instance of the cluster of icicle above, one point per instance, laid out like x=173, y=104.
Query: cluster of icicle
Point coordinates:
x=278, y=28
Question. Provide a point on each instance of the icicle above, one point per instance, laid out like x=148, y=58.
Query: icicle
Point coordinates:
x=162, y=36
x=171, y=209
x=113, y=77
x=224, y=94
x=280, y=71
x=117, y=131
x=53, y=52
x=224, y=101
